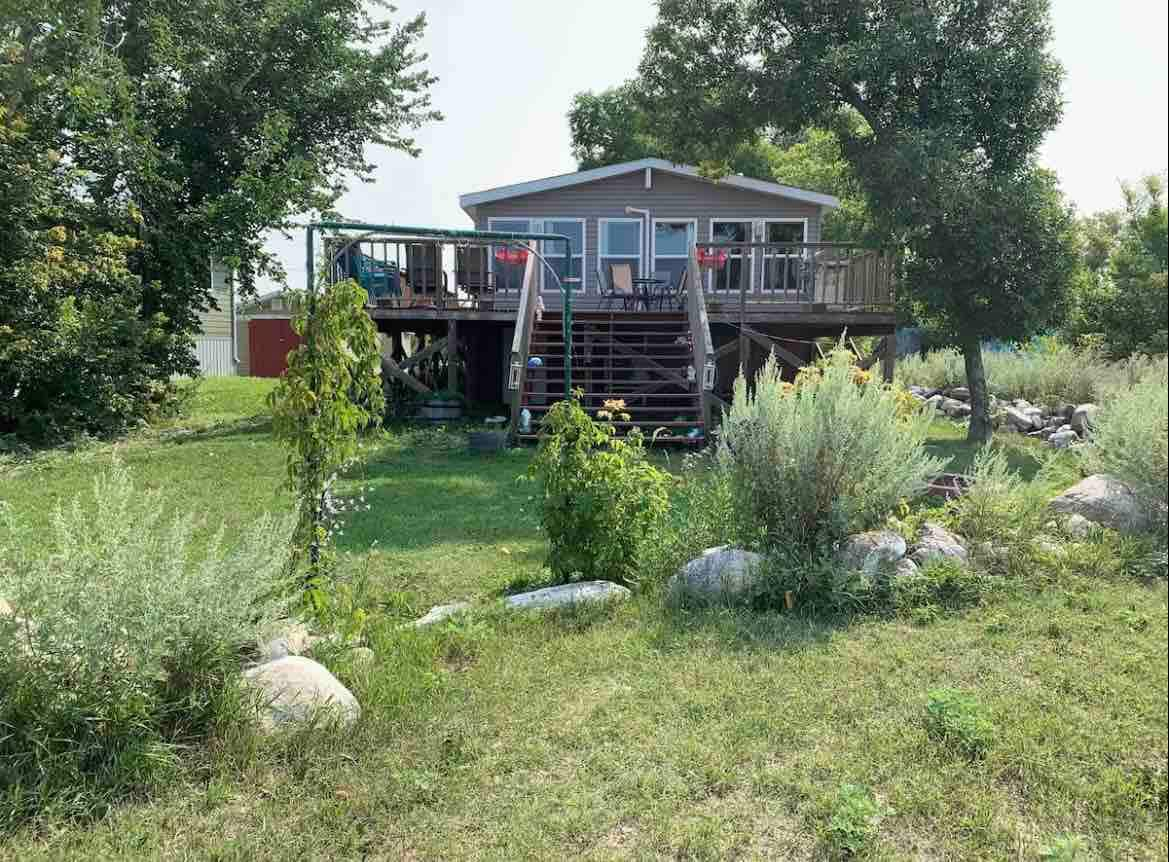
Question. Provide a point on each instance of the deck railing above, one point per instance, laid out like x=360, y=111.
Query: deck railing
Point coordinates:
x=831, y=274
x=529, y=301
x=703, y=344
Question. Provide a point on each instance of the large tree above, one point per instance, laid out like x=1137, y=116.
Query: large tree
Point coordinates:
x=956, y=96
x=178, y=131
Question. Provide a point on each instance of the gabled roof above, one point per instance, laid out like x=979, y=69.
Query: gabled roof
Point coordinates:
x=574, y=179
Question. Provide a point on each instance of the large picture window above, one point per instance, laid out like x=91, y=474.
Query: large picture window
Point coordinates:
x=574, y=229
x=620, y=243
x=672, y=240
x=784, y=257
x=728, y=279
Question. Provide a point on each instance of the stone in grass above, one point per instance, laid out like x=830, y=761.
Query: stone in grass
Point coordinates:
x=864, y=552
x=1077, y=526
x=1083, y=418
x=291, y=638
x=1063, y=439
x=295, y=689
x=720, y=574
x=956, y=409
x=567, y=595
x=1103, y=500
x=962, y=393
x=441, y=612
x=1020, y=420
x=937, y=543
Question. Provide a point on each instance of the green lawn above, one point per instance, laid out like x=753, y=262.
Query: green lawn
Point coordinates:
x=639, y=732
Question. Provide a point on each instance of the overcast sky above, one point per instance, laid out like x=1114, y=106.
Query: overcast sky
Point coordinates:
x=508, y=69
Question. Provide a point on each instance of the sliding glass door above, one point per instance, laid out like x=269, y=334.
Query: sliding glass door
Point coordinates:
x=672, y=239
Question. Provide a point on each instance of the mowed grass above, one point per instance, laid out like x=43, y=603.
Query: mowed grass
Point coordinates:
x=637, y=732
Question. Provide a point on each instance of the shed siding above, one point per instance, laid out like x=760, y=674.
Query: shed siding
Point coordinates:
x=671, y=196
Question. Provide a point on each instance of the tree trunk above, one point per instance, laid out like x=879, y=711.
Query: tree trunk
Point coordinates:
x=980, y=427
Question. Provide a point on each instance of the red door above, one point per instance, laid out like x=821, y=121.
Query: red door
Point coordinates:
x=269, y=342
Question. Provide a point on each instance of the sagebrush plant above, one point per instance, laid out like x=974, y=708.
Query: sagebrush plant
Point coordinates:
x=1045, y=372
x=598, y=497
x=812, y=463
x=1130, y=440
x=854, y=821
x=1002, y=510
x=958, y=721
x=125, y=636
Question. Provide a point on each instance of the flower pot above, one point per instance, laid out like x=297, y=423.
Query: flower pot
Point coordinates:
x=487, y=441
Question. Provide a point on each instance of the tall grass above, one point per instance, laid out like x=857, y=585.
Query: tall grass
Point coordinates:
x=1047, y=374
x=122, y=644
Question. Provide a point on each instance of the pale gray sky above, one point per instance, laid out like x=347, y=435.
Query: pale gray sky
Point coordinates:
x=508, y=69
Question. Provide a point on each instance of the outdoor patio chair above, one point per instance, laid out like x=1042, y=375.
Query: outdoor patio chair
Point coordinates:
x=622, y=283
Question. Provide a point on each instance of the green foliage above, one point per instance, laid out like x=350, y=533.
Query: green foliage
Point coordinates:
x=946, y=166
x=1130, y=440
x=958, y=721
x=1120, y=296
x=1067, y=848
x=143, y=138
x=599, y=499
x=330, y=394
x=1002, y=510
x=854, y=821
x=830, y=457
x=122, y=645
x=942, y=585
x=1045, y=371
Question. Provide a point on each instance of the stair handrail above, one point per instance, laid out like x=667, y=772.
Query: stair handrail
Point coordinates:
x=521, y=341
x=700, y=334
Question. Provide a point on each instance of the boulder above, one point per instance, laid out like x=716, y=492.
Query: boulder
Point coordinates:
x=1063, y=439
x=961, y=393
x=438, y=613
x=905, y=570
x=955, y=409
x=1021, y=404
x=1021, y=420
x=1103, y=500
x=295, y=689
x=721, y=573
x=566, y=595
x=865, y=552
x=1064, y=411
x=1083, y=418
x=936, y=542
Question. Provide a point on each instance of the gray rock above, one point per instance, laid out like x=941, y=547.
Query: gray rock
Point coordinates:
x=1021, y=404
x=905, y=569
x=865, y=552
x=1065, y=428
x=956, y=409
x=1063, y=439
x=1048, y=545
x=568, y=594
x=992, y=553
x=1083, y=418
x=936, y=542
x=441, y=612
x=720, y=573
x=1064, y=411
x=1103, y=500
x=1021, y=420
x=936, y=400
x=294, y=689
x=1077, y=526
x=962, y=393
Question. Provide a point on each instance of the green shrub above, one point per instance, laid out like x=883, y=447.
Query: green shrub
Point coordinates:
x=1001, y=509
x=942, y=584
x=812, y=463
x=599, y=498
x=122, y=645
x=1130, y=440
x=854, y=821
x=959, y=722
x=1066, y=848
x=1048, y=372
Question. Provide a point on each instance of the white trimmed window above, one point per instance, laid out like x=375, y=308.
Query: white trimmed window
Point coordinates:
x=672, y=239
x=784, y=256
x=554, y=252
x=620, y=242
x=728, y=279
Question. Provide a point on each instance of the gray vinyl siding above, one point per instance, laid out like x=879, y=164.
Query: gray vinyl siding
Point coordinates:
x=671, y=197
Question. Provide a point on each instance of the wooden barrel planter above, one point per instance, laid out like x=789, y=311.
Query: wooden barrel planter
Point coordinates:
x=436, y=411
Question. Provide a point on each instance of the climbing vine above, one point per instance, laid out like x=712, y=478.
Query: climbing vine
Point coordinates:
x=330, y=394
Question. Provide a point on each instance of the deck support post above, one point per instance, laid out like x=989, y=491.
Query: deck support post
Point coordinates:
x=888, y=357
x=452, y=354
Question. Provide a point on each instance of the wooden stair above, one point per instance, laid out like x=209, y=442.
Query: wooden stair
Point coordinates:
x=644, y=358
